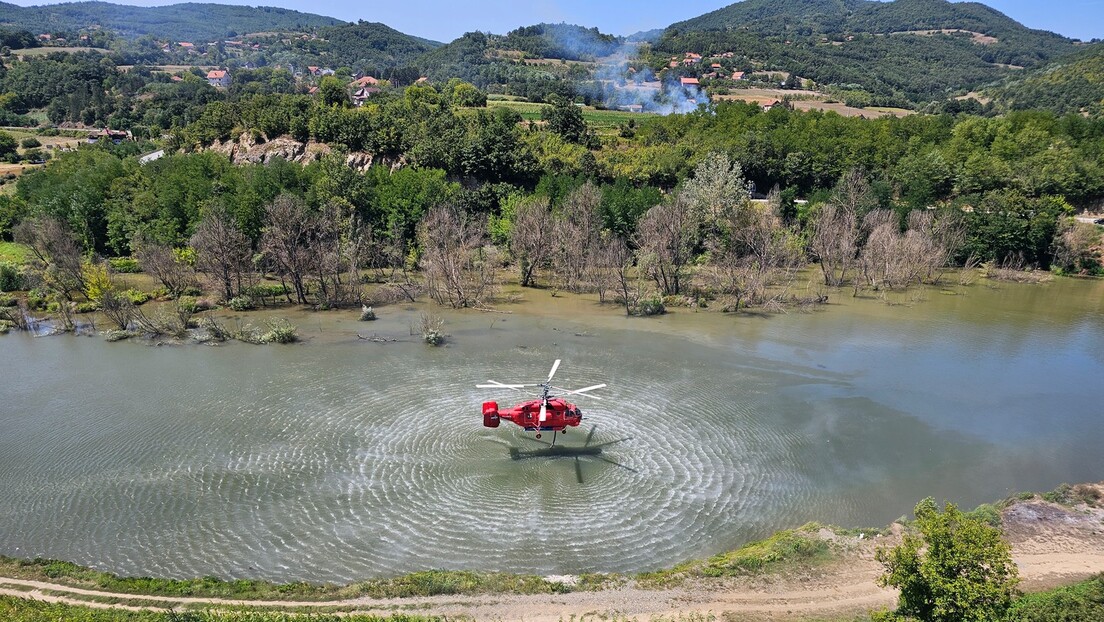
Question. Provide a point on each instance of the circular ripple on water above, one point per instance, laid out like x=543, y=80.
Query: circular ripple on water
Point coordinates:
x=376, y=468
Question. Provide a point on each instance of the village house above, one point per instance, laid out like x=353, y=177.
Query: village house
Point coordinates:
x=362, y=95
x=689, y=82
x=115, y=136
x=364, y=81
x=218, y=78
x=737, y=75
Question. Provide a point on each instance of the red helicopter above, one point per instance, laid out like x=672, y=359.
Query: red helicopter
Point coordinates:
x=546, y=413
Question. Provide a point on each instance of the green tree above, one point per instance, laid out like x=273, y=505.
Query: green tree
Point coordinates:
x=566, y=119
x=7, y=144
x=957, y=570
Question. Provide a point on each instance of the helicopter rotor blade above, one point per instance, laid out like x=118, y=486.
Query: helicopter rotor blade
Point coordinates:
x=578, y=470
x=494, y=384
x=584, y=391
x=555, y=366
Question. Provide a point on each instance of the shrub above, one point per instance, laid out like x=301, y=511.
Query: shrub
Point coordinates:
x=11, y=278
x=30, y=143
x=124, y=265
x=7, y=301
x=109, y=335
x=651, y=306
x=87, y=307
x=784, y=546
x=367, y=314
x=241, y=303
x=137, y=297
x=280, y=331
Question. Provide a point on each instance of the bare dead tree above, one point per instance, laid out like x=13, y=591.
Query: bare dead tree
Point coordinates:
x=223, y=251
x=57, y=256
x=162, y=262
x=835, y=241
x=459, y=270
x=533, y=237
x=753, y=251
x=117, y=307
x=285, y=239
x=620, y=259
x=577, y=235
x=335, y=249
x=665, y=238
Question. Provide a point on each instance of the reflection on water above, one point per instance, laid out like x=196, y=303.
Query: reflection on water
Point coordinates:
x=341, y=458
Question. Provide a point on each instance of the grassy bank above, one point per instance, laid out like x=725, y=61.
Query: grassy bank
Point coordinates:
x=425, y=583
x=14, y=609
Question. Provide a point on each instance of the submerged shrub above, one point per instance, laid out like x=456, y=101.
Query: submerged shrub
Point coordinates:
x=241, y=303
x=367, y=314
x=280, y=331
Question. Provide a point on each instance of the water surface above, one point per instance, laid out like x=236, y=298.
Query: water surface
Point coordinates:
x=340, y=459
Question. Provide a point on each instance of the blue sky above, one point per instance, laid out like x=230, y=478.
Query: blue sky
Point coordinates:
x=444, y=20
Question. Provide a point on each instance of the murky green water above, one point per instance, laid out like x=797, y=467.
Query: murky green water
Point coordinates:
x=340, y=459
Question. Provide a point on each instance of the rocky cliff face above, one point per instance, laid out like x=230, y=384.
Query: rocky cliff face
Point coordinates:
x=248, y=150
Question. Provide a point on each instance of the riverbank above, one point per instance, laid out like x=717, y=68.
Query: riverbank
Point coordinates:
x=1056, y=539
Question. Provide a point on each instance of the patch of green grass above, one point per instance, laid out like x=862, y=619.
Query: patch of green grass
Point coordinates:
x=785, y=547
x=597, y=119
x=1082, y=602
x=14, y=609
x=435, y=582
x=14, y=253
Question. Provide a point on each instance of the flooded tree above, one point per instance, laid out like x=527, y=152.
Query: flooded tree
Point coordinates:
x=576, y=236
x=337, y=247
x=167, y=265
x=285, y=240
x=57, y=256
x=222, y=251
x=665, y=240
x=459, y=271
x=532, y=237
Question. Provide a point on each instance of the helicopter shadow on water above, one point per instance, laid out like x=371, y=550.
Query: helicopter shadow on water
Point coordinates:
x=586, y=450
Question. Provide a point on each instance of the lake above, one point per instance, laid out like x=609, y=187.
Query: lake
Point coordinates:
x=340, y=458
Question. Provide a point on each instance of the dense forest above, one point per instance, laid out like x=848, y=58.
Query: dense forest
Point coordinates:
x=903, y=51
x=1072, y=84
x=178, y=22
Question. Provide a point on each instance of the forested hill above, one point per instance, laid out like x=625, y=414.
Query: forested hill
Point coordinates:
x=180, y=22
x=1071, y=84
x=371, y=44
x=917, y=50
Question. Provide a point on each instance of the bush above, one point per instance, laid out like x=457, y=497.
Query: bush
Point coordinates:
x=87, y=307
x=137, y=297
x=241, y=303
x=367, y=314
x=30, y=143
x=651, y=306
x=1083, y=602
x=280, y=331
x=11, y=278
x=124, y=265
x=7, y=301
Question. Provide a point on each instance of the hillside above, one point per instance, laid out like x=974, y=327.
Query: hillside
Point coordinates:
x=1073, y=84
x=914, y=50
x=371, y=44
x=532, y=61
x=180, y=22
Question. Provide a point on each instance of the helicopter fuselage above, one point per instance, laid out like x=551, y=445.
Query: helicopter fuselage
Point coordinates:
x=558, y=415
